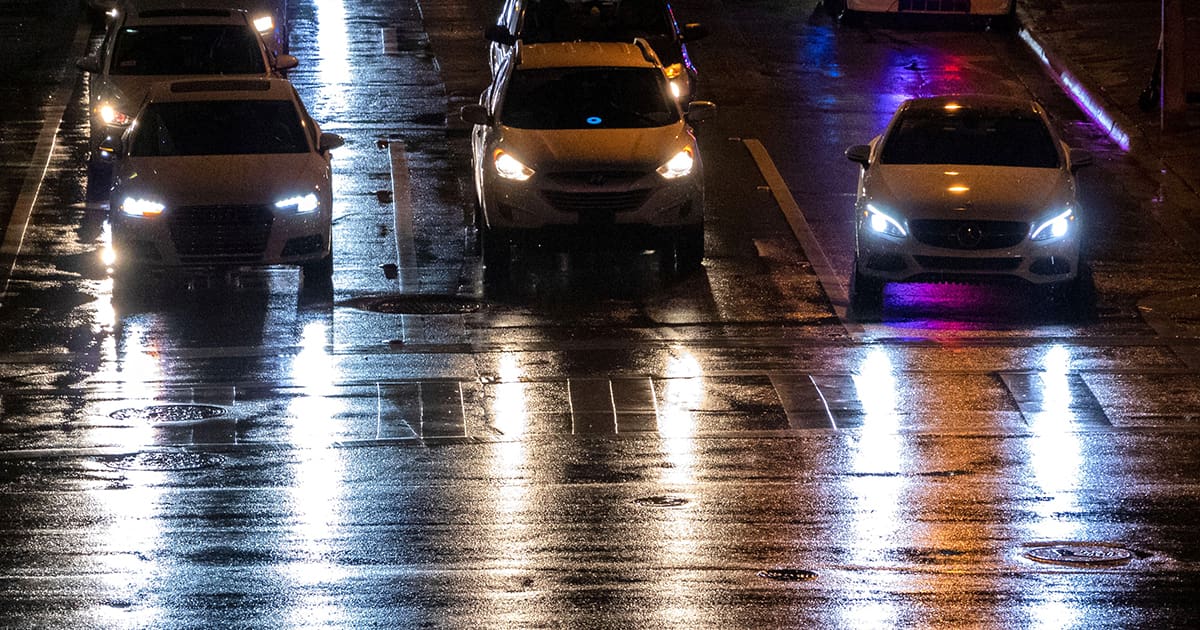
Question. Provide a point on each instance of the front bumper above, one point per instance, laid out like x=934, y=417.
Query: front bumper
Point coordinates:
x=221, y=236
x=593, y=201
x=906, y=260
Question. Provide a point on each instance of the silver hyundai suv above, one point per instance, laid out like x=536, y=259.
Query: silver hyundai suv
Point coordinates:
x=583, y=142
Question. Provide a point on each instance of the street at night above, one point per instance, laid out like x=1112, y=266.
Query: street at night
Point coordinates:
x=603, y=436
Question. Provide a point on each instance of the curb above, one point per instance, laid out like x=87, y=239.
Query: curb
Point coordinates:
x=1074, y=80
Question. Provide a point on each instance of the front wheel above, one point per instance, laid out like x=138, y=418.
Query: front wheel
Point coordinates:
x=497, y=252
x=689, y=249
x=866, y=295
x=318, y=272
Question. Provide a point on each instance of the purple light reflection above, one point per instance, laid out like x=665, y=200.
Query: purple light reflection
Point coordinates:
x=1078, y=93
x=954, y=307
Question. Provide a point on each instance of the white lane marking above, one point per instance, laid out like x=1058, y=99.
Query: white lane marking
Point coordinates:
x=829, y=280
x=18, y=223
x=402, y=203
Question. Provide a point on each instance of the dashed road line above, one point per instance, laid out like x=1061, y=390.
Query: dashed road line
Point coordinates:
x=403, y=206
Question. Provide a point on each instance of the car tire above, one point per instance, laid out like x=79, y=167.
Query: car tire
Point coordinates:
x=866, y=295
x=1075, y=299
x=318, y=272
x=478, y=225
x=689, y=249
x=497, y=252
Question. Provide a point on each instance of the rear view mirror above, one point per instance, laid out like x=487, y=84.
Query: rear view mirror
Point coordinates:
x=499, y=34
x=286, y=62
x=860, y=153
x=692, y=32
x=330, y=141
x=110, y=148
x=91, y=63
x=475, y=114
x=700, y=110
x=1079, y=158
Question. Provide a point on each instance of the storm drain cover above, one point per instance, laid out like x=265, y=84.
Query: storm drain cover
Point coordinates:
x=155, y=414
x=788, y=575
x=1081, y=554
x=415, y=304
x=166, y=461
x=662, y=501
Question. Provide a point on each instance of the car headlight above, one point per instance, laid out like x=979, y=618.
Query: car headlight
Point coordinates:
x=141, y=207
x=879, y=222
x=113, y=116
x=300, y=204
x=680, y=165
x=510, y=167
x=1053, y=228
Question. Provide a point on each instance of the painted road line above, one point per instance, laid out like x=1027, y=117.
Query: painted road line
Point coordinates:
x=829, y=280
x=402, y=203
x=14, y=233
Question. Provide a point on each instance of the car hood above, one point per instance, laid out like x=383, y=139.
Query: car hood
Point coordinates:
x=233, y=179
x=126, y=91
x=576, y=149
x=986, y=192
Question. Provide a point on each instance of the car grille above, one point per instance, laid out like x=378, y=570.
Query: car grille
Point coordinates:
x=971, y=235
x=622, y=179
x=220, y=234
x=954, y=263
x=941, y=6
x=603, y=202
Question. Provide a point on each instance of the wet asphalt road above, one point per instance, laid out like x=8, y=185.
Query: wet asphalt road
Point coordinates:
x=597, y=442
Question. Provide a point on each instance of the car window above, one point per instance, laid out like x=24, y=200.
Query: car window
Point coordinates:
x=190, y=49
x=218, y=128
x=575, y=20
x=587, y=98
x=971, y=138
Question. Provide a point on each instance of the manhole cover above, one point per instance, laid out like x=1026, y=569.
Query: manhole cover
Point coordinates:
x=166, y=461
x=788, y=575
x=156, y=414
x=1080, y=554
x=661, y=501
x=415, y=304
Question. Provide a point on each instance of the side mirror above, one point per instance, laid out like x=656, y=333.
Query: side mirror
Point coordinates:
x=286, y=62
x=860, y=153
x=700, y=110
x=475, y=114
x=110, y=148
x=1079, y=158
x=330, y=141
x=692, y=32
x=91, y=63
x=499, y=34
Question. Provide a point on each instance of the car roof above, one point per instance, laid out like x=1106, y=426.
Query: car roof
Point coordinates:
x=636, y=54
x=983, y=103
x=140, y=11
x=266, y=89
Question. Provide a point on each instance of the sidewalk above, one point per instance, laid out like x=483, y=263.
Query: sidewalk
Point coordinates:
x=1103, y=52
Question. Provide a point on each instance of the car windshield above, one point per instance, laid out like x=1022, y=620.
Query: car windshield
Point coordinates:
x=575, y=20
x=588, y=98
x=218, y=128
x=970, y=137
x=186, y=49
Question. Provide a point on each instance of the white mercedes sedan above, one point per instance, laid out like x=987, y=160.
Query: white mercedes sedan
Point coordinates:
x=966, y=188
